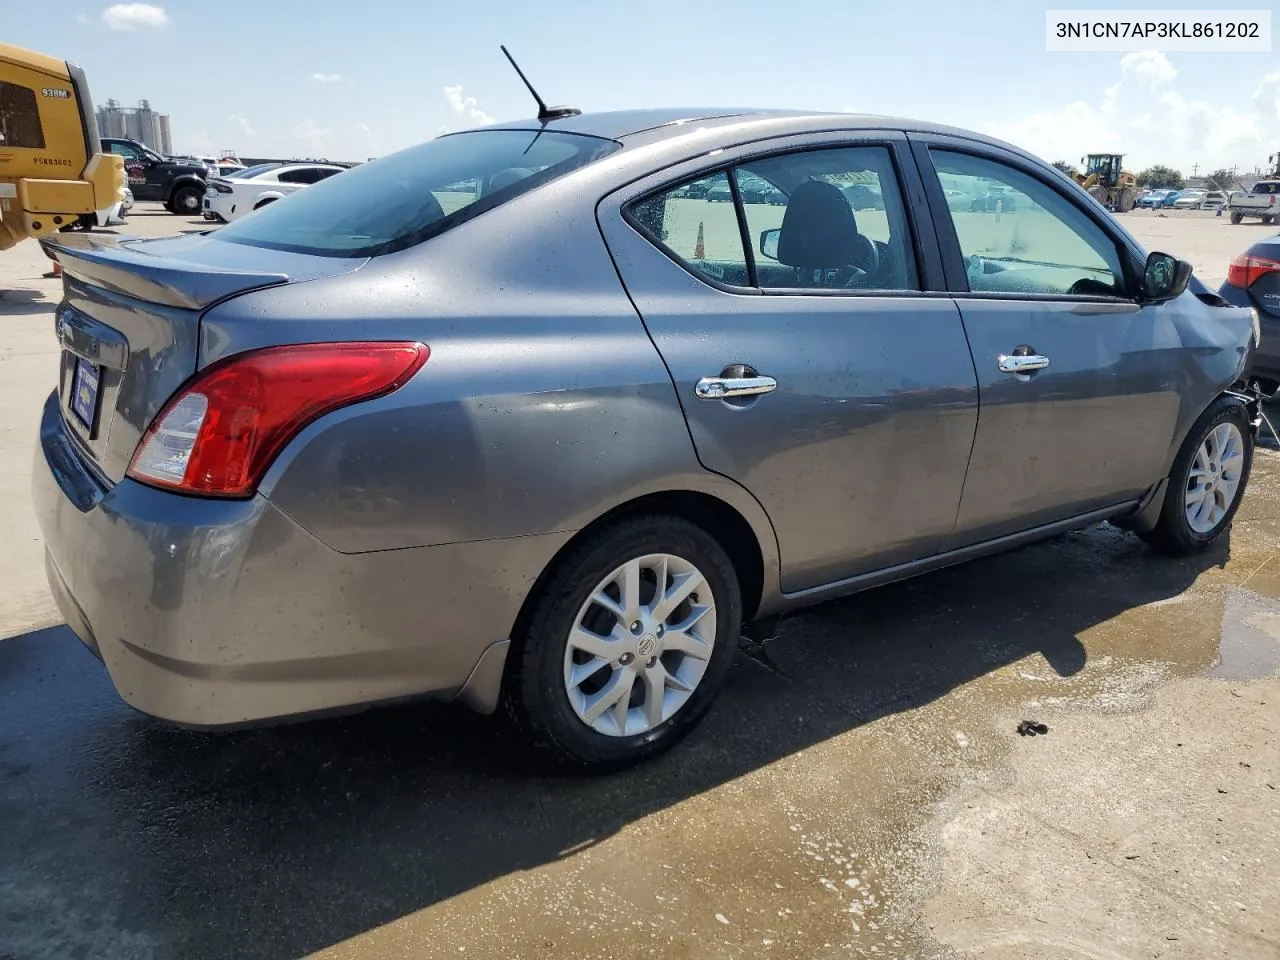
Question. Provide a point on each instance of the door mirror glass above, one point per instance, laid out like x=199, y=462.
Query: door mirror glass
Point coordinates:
x=1165, y=277
x=769, y=243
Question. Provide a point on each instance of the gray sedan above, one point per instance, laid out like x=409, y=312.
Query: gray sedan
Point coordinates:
x=522, y=417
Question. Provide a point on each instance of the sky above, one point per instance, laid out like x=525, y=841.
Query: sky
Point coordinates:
x=348, y=81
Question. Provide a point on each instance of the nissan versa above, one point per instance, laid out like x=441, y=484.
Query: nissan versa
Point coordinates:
x=523, y=417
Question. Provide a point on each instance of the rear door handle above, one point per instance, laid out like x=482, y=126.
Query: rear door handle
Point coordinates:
x=1021, y=364
x=724, y=388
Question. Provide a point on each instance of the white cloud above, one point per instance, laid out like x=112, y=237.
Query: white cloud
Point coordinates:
x=317, y=141
x=243, y=125
x=370, y=141
x=131, y=16
x=466, y=107
x=327, y=77
x=1146, y=117
x=201, y=144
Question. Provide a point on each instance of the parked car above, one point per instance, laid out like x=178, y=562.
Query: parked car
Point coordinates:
x=239, y=193
x=758, y=190
x=1190, y=199
x=535, y=454
x=1213, y=199
x=1253, y=280
x=1262, y=201
x=994, y=199
x=863, y=196
x=178, y=184
x=1159, y=199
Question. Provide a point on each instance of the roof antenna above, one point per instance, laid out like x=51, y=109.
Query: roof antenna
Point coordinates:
x=545, y=113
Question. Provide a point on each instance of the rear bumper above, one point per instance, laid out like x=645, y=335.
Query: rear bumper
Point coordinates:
x=217, y=613
x=1265, y=360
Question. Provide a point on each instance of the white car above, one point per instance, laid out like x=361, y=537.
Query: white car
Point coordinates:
x=233, y=196
x=1190, y=199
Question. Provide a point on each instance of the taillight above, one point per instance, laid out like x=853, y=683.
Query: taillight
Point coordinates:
x=1246, y=269
x=219, y=433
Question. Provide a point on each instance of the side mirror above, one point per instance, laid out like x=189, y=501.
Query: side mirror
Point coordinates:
x=769, y=243
x=1165, y=277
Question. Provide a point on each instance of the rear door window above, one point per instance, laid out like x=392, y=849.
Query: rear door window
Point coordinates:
x=832, y=219
x=397, y=201
x=298, y=175
x=19, y=117
x=696, y=223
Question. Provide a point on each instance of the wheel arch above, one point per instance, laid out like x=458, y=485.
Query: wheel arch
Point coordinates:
x=1144, y=517
x=181, y=182
x=752, y=561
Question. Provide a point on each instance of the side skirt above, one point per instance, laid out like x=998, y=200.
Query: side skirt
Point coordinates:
x=915, y=568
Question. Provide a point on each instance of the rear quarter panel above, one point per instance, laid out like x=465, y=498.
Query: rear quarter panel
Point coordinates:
x=543, y=405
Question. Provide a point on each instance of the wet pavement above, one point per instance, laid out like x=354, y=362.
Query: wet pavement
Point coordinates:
x=800, y=820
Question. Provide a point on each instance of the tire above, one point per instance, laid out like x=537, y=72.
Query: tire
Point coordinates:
x=1126, y=201
x=537, y=693
x=1237, y=217
x=185, y=201
x=1267, y=221
x=1174, y=532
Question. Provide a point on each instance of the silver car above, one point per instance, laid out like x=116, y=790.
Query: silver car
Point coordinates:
x=522, y=417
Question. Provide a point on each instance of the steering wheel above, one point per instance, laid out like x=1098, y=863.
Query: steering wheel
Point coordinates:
x=872, y=256
x=1087, y=286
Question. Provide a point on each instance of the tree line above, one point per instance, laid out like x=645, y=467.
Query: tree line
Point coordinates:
x=1161, y=177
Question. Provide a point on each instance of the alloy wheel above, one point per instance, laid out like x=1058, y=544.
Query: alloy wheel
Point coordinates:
x=1214, y=479
x=640, y=645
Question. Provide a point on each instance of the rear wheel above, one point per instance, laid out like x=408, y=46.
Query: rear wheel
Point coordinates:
x=186, y=201
x=629, y=640
x=1237, y=216
x=1126, y=201
x=1207, y=482
x=1268, y=220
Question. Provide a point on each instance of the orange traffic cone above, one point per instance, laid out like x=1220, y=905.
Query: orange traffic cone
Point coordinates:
x=55, y=273
x=698, y=251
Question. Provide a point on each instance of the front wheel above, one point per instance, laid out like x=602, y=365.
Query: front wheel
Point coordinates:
x=1207, y=482
x=629, y=640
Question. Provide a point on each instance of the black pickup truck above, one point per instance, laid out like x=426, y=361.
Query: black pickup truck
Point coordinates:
x=178, y=184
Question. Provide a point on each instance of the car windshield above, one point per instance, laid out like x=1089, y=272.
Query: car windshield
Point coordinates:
x=402, y=199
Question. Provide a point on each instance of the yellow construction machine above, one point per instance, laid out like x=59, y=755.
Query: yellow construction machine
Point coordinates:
x=53, y=173
x=1108, y=182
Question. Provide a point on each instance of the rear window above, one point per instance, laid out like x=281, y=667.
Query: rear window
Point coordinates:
x=250, y=172
x=397, y=201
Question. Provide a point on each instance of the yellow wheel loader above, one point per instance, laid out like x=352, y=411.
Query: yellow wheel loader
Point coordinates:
x=1106, y=181
x=53, y=173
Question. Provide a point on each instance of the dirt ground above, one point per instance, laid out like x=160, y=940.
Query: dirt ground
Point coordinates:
x=859, y=790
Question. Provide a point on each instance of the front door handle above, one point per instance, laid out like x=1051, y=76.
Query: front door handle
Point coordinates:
x=726, y=388
x=1021, y=363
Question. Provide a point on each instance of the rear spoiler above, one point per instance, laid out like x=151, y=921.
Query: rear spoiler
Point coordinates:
x=105, y=262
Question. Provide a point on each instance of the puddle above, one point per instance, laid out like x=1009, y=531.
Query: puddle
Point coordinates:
x=1250, y=646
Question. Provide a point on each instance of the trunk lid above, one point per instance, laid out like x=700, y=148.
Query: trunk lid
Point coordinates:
x=129, y=326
